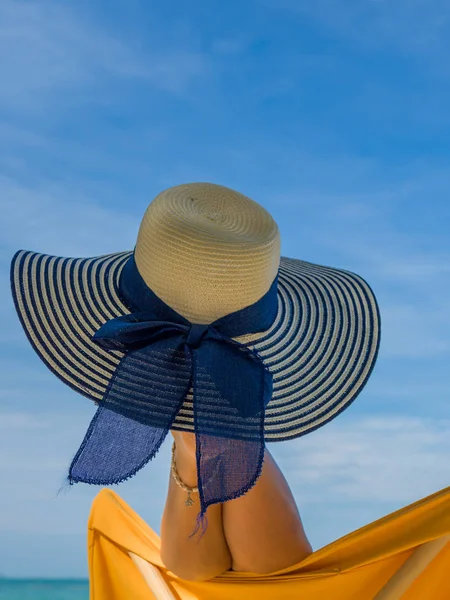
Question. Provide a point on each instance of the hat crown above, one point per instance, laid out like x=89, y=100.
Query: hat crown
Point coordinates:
x=207, y=250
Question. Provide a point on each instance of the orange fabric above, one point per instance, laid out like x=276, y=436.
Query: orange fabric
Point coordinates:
x=354, y=567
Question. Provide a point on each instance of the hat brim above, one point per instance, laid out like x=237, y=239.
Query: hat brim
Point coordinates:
x=321, y=348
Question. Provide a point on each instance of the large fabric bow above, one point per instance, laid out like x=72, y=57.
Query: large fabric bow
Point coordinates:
x=164, y=356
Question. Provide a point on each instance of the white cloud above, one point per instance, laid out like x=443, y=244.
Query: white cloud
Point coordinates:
x=418, y=268
x=415, y=331
x=53, y=219
x=418, y=27
x=52, y=49
x=229, y=46
x=384, y=458
x=21, y=421
x=414, y=388
x=389, y=252
x=22, y=137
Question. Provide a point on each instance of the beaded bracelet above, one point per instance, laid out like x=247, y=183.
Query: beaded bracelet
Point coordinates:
x=183, y=486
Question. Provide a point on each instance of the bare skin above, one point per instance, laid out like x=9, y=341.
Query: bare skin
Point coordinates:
x=259, y=532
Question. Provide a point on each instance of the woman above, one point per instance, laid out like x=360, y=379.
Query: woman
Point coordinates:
x=272, y=347
x=259, y=532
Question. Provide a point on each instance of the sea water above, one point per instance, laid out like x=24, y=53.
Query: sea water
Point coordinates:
x=44, y=589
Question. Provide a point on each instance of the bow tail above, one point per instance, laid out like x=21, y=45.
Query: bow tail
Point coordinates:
x=227, y=470
x=230, y=460
x=132, y=421
x=114, y=448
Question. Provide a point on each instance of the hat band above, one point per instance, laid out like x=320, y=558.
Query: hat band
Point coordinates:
x=139, y=297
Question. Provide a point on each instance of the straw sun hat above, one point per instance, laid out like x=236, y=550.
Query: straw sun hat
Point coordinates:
x=204, y=327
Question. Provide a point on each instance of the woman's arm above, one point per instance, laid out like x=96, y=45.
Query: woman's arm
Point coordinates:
x=192, y=558
x=263, y=528
x=259, y=532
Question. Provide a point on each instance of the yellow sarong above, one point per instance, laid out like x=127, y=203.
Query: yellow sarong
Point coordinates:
x=355, y=567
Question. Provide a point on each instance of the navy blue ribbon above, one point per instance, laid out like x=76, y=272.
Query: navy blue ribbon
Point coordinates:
x=165, y=354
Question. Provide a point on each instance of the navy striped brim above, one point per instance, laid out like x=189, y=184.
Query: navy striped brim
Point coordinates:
x=321, y=348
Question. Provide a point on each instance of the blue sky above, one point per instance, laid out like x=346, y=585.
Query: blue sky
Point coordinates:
x=334, y=116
